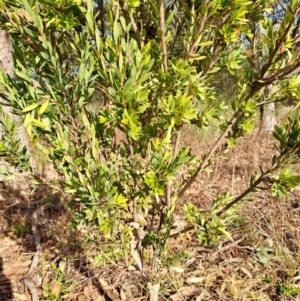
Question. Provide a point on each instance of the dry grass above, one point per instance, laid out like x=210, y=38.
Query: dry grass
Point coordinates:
x=262, y=262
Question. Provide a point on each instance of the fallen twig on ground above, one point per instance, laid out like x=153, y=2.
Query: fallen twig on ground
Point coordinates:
x=29, y=280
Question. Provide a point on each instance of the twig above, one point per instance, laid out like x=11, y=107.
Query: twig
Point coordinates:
x=177, y=144
x=180, y=26
x=284, y=6
x=199, y=31
x=134, y=26
x=214, y=58
x=186, y=229
x=208, y=155
x=283, y=72
x=163, y=38
x=242, y=195
x=165, y=64
x=266, y=67
x=256, y=87
x=229, y=246
x=176, y=147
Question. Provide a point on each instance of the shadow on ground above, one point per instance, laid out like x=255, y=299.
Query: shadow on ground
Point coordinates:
x=60, y=243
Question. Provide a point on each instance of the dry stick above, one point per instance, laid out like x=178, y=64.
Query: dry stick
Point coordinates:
x=233, y=244
x=153, y=291
x=28, y=279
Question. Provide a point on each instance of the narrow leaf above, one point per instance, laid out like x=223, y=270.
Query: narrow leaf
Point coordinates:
x=43, y=107
x=30, y=108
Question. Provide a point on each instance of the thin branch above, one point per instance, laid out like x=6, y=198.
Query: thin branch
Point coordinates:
x=168, y=197
x=54, y=42
x=283, y=72
x=29, y=279
x=136, y=30
x=296, y=39
x=199, y=31
x=242, y=195
x=165, y=64
x=278, y=44
x=214, y=58
x=176, y=148
x=193, y=14
x=163, y=38
x=197, y=41
x=134, y=176
x=176, y=36
x=134, y=26
x=263, y=103
x=176, y=144
x=256, y=87
x=229, y=205
x=209, y=155
x=231, y=245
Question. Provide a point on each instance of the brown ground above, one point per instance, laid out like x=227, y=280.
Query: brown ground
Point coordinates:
x=261, y=263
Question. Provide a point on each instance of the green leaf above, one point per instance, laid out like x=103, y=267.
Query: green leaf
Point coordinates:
x=116, y=31
x=43, y=107
x=203, y=9
x=34, y=16
x=206, y=43
x=86, y=121
x=38, y=123
x=30, y=108
x=214, y=70
x=111, y=91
